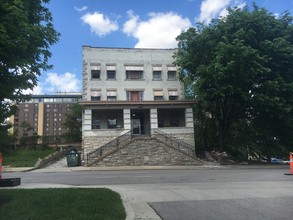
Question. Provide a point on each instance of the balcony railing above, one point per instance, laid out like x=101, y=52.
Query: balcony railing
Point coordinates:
x=108, y=148
x=175, y=143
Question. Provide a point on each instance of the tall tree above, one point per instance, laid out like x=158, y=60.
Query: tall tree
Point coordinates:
x=26, y=33
x=241, y=67
x=73, y=124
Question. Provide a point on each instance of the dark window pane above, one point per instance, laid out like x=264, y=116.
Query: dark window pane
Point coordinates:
x=95, y=74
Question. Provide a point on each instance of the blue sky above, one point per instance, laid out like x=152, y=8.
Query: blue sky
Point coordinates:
x=127, y=24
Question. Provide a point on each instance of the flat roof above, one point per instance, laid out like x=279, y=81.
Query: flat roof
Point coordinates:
x=58, y=96
x=125, y=48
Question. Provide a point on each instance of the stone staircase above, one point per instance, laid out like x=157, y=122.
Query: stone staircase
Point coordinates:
x=143, y=151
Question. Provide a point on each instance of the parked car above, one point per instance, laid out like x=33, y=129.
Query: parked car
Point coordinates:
x=276, y=161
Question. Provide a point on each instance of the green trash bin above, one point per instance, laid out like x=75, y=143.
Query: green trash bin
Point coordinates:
x=73, y=158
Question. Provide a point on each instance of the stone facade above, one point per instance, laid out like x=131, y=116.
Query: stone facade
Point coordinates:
x=132, y=90
x=147, y=152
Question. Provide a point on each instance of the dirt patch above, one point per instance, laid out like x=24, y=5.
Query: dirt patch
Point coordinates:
x=219, y=157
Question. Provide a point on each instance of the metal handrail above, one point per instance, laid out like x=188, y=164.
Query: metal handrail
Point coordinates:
x=108, y=147
x=175, y=143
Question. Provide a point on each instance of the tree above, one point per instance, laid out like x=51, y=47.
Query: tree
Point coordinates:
x=73, y=124
x=241, y=68
x=26, y=33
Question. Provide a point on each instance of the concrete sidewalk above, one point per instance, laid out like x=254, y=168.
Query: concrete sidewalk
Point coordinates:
x=7, y=169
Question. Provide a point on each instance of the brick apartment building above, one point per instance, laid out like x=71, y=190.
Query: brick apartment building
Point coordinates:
x=43, y=116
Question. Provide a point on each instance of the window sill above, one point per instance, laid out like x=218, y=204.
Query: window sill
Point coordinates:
x=134, y=79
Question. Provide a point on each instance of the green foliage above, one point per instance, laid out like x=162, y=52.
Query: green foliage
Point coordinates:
x=25, y=157
x=241, y=69
x=6, y=140
x=26, y=33
x=73, y=123
x=61, y=204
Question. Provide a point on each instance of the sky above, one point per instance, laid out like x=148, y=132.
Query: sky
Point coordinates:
x=126, y=24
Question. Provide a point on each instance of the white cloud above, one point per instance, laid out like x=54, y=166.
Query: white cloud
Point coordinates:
x=66, y=82
x=236, y=4
x=80, y=9
x=277, y=15
x=130, y=25
x=35, y=91
x=159, y=31
x=212, y=9
x=99, y=23
x=38, y=89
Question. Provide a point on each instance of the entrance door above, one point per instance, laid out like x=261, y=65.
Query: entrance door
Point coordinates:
x=136, y=127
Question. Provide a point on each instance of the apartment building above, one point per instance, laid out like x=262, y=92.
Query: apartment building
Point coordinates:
x=43, y=115
x=132, y=90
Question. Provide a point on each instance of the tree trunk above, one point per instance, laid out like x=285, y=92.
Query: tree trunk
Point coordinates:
x=221, y=139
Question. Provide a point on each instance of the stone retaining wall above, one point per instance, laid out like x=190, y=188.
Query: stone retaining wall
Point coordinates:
x=147, y=152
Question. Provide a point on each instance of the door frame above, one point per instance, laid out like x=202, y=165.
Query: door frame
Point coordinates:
x=139, y=126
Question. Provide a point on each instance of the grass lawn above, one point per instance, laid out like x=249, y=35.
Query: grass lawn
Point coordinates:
x=25, y=157
x=72, y=203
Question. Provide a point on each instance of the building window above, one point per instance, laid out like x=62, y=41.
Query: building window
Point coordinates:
x=95, y=95
x=158, y=95
x=171, y=75
x=95, y=74
x=134, y=74
x=111, y=74
x=111, y=95
x=112, y=122
x=111, y=71
x=173, y=95
x=161, y=122
x=174, y=121
x=96, y=122
x=157, y=75
x=134, y=95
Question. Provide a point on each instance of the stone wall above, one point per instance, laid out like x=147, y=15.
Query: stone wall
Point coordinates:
x=181, y=133
x=94, y=139
x=147, y=152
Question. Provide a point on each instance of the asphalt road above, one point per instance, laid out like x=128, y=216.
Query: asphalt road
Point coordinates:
x=222, y=193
